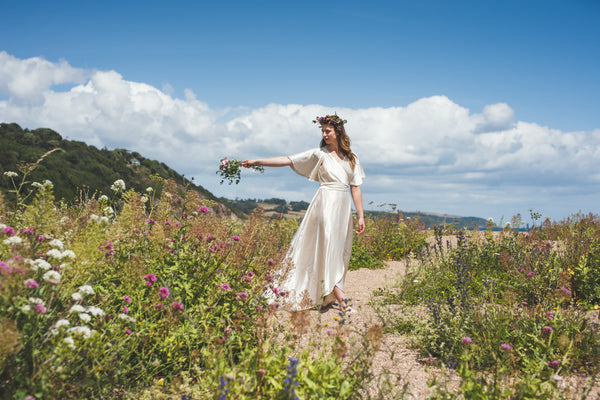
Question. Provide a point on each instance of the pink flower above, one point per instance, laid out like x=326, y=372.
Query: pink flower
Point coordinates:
x=268, y=277
x=125, y=310
x=150, y=279
x=4, y=267
x=282, y=294
x=8, y=230
x=41, y=238
x=547, y=329
x=242, y=295
x=467, y=340
x=550, y=315
x=236, y=238
x=250, y=273
x=203, y=210
x=228, y=331
x=530, y=274
x=177, y=305
x=127, y=331
x=274, y=306
x=225, y=286
x=566, y=291
x=261, y=372
x=247, y=279
x=150, y=221
x=506, y=347
x=127, y=299
x=259, y=307
x=40, y=309
x=270, y=261
x=32, y=284
x=167, y=223
x=164, y=292
x=224, y=161
x=275, y=290
x=553, y=364
x=523, y=303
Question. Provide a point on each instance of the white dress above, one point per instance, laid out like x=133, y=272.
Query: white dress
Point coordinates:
x=320, y=251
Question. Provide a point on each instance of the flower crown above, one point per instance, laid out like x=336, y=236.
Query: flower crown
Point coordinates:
x=330, y=119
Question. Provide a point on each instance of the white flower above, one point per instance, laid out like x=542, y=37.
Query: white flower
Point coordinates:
x=2, y=226
x=491, y=220
x=94, y=217
x=56, y=243
x=36, y=300
x=76, y=309
x=86, y=289
x=11, y=174
x=40, y=263
x=126, y=317
x=61, y=322
x=109, y=210
x=144, y=199
x=52, y=275
x=82, y=331
x=85, y=317
x=26, y=308
x=70, y=342
x=77, y=296
x=48, y=183
x=68, y=253
x=118, y=186
x=54, y=253
x=37, y=185
x=104, y=219
x=64, y=220
x=149, y=189
x=96, y=311
x=62, y=266
x=13, y=240
x=103, y=198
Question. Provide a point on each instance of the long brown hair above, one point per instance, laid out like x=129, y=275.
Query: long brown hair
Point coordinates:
x=343, y=143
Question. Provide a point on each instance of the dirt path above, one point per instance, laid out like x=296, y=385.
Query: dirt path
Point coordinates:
x=394, y=359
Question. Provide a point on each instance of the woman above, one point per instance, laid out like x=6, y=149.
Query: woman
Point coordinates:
x=320, y=250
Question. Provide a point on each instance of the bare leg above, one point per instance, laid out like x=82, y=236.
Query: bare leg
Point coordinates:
x=339, y=295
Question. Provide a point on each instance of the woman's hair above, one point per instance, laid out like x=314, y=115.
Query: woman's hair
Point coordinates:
x=342, y=137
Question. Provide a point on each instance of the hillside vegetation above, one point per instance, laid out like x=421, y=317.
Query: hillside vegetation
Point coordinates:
x=77, y=168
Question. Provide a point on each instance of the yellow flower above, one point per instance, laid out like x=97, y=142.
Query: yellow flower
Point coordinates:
x=325, y=324
x=161, y=381
x=596, y=306
x=336, y=318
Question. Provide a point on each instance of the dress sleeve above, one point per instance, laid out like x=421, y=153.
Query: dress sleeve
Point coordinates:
x=358, y=175
x=307, y=163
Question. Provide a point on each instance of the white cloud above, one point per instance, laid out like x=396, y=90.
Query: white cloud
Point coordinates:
x=429, y=151
x=26, y=80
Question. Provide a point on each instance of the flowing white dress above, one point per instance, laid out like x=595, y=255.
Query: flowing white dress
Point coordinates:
x=320, y=251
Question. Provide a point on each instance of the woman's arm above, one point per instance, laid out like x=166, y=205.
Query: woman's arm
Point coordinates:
x=358, y=204
x=268, y=162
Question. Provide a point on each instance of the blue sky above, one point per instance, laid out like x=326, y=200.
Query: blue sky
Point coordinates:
x=489, y=108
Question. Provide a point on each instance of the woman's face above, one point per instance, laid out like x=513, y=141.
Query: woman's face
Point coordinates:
x=329, y=135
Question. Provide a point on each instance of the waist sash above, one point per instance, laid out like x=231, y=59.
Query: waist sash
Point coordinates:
x=333, y=186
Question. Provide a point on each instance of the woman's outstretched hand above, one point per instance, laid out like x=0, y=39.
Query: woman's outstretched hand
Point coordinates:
x=250, y=163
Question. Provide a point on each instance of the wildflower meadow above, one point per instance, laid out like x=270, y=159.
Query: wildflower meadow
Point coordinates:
x=152, y=295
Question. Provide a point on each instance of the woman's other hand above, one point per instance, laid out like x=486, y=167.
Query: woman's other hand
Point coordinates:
x=361, y=226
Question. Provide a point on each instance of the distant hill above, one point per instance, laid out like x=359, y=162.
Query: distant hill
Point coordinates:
x=80, y=166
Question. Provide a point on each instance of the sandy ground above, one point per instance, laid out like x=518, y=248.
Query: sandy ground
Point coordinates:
x=408, y=373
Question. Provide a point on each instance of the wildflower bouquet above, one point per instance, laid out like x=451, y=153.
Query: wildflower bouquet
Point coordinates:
x=229, y=170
